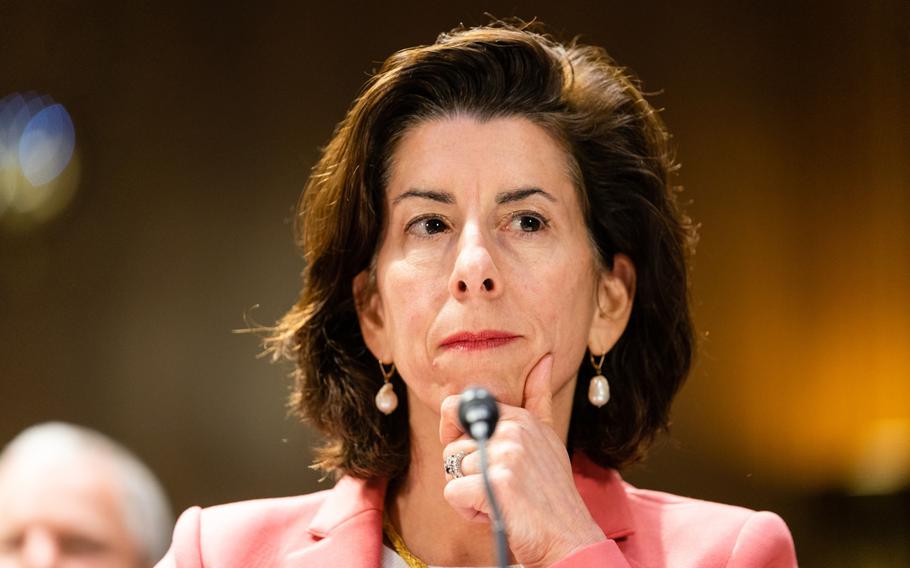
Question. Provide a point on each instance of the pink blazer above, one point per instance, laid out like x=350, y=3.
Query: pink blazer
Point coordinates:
x=343, y=527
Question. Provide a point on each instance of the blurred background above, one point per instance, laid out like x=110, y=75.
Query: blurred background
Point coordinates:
x=151, y=156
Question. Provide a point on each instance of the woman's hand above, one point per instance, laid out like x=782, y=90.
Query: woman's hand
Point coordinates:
x=544, y=516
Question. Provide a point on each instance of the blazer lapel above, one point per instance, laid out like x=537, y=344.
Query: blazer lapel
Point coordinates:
x=603, y=493
x=347, y=529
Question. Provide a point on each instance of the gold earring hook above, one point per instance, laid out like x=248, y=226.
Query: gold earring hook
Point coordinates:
x=599, y=362
x=387, y=375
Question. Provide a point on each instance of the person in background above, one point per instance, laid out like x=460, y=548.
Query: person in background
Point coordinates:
x=72, y=497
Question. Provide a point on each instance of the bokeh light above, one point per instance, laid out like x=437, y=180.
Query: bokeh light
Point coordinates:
x=39, y=167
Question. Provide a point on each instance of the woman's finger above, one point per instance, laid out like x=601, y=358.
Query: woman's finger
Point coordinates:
x=468, y=497
x=538, y=393
x=449, y=425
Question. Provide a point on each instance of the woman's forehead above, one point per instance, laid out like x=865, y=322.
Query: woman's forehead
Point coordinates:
x=451, y=156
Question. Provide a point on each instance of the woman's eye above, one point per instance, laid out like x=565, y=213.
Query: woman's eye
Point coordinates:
x=433, y=226
x=427, y=226
x=528, y=223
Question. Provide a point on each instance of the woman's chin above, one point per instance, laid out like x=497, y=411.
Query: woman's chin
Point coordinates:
x=504, y=391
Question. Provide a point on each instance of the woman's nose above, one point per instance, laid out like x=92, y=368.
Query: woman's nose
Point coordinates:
x=475, y=274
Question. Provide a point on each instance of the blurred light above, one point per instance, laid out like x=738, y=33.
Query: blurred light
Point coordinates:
x=884, y=464
x=39, y=168
x=46, y=145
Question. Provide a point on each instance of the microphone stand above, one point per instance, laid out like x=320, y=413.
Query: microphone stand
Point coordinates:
x=479, y=431
x=478, y=414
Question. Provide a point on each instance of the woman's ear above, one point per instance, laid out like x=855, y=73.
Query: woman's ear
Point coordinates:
x=369, y=314
x=613, y=304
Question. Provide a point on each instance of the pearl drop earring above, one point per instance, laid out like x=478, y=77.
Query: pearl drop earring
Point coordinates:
x=599, y=388
x=386, y=400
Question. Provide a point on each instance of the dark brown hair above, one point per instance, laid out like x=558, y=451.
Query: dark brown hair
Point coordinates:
x=619, y=152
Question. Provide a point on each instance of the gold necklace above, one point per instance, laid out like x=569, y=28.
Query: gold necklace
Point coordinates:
x=400, y=547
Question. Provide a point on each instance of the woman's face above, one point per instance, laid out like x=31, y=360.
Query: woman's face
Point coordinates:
x=485, y=265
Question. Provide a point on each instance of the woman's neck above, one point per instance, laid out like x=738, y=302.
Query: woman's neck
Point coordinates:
x=432, y=530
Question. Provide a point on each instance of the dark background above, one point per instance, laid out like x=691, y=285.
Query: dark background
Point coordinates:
x=196, y=126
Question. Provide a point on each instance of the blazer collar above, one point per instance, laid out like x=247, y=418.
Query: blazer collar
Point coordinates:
x=347, y=527
x=604, y=493
x=602, y=490
x=349, y=498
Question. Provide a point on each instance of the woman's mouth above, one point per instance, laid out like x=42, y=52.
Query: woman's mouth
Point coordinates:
x=475, y=341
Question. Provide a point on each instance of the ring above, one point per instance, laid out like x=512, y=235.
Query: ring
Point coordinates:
x=453, y=465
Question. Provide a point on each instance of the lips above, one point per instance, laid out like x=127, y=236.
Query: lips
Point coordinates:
x=476, y=341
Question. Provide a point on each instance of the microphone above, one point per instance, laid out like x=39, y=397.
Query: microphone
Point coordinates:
x=478, y=414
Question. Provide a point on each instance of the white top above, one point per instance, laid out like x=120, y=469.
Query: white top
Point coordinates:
x=390, y=559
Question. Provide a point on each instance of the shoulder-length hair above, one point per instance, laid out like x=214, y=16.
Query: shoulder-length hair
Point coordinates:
x=618, y=149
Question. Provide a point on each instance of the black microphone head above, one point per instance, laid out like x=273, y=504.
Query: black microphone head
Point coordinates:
x=478, y=412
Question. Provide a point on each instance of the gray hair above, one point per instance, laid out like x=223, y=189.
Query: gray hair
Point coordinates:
x=146, y=510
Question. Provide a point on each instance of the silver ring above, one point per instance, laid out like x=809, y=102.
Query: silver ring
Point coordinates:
x=453, y=465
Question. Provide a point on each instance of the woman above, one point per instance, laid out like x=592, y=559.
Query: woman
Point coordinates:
x=493, y=210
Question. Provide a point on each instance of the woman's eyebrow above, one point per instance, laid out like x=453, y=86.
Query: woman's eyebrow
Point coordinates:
x=519, y=194
x=440, y=196
x=447, y=198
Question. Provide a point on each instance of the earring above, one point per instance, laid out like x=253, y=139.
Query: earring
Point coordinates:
x=386, y=400
x=599, y=388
